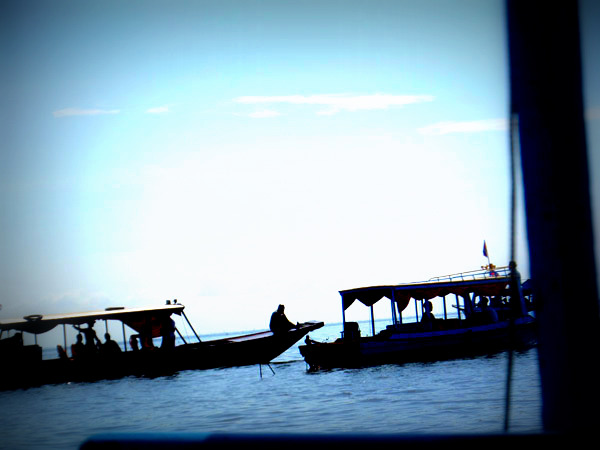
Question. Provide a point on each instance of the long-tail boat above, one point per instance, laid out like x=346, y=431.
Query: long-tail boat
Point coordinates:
x=24, y=366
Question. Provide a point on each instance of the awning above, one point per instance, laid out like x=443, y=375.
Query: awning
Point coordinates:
x=38, y=324
x=403, y=293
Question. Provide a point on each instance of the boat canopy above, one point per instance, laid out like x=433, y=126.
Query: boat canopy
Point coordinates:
x=135, y=318
x=402, y=293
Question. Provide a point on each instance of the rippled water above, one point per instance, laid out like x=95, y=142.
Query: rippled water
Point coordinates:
x=459, y=396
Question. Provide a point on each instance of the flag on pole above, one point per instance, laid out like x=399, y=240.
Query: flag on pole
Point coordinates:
x=485, y=252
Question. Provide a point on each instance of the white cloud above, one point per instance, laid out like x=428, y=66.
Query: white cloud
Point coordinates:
x=264, y=114
x=465, y=127
x=339, y=102
x=158, y=110
x=83, y=112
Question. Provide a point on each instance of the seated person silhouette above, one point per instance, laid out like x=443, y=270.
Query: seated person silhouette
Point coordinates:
x=78, y=349
x=279, y=322
x=488, y=314
x=133, y=342
x=428, y=317
x=109, y=346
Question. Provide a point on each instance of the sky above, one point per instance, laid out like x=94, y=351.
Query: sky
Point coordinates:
x=236, y=155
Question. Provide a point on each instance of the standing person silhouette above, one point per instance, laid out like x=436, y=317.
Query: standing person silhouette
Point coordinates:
x=92, y=343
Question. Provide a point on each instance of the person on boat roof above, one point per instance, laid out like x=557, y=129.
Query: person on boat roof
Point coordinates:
x=279, y=322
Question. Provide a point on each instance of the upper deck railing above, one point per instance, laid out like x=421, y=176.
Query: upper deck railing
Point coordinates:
x=485, y=272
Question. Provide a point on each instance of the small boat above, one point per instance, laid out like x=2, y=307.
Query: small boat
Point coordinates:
x=23, y=365
x=501, y=319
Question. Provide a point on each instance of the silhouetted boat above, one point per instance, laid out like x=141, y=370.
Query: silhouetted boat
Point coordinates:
x=504, y=322
x=23, y=365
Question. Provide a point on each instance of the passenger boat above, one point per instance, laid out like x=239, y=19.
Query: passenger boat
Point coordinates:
x=476, y=327
x=23, y=365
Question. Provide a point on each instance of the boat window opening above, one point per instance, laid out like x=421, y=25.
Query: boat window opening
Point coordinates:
x=185, y=332
x=184, y=328
x=178, y=332
x=458, y=310
x=180, y=335
x=400, y=318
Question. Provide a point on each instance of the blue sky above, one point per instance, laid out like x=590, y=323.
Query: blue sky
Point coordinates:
x=240, y=154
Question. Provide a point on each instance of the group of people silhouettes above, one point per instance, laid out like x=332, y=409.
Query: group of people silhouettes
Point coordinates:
x=92, y=346
x=484, y=314
x=87, y=343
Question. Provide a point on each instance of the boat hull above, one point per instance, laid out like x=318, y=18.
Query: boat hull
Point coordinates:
x=257, y=348
x=398, y=347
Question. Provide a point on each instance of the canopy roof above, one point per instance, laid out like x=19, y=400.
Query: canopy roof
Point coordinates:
x=402, y=293
x=37, y=324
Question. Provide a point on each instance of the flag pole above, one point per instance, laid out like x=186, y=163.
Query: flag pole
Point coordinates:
x=487, y=255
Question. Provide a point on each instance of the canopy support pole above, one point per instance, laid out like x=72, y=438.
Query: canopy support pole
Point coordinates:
x=445, y=312
x=372, y=322
x=416, y=310
x=394, y=320
x=399, y=314
x=124, y=336
x=187, y=320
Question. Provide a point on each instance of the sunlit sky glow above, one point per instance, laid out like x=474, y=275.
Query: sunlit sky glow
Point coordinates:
x=240, y=154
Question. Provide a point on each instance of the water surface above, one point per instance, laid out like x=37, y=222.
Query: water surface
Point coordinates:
x=458, y=396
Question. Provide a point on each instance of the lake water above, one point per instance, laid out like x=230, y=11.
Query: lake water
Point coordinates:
x=458, y=396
